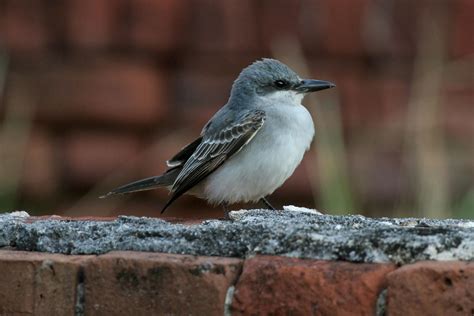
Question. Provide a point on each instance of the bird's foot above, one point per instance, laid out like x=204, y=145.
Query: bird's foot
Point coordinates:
x=226, y=211
x=265, y=201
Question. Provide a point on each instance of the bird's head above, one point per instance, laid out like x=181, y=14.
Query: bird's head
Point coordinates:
x=272, y=79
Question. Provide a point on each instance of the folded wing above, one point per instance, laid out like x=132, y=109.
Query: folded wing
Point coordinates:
x=214, y=149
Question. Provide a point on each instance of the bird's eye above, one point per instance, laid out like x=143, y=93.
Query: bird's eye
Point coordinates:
x=281, y=84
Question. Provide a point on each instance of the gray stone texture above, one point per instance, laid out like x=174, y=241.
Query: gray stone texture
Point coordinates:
x=294, y=232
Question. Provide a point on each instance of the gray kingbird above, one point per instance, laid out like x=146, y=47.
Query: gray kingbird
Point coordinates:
x=250, y=146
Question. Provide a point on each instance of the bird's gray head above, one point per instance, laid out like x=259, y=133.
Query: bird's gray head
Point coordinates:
x=273, y=79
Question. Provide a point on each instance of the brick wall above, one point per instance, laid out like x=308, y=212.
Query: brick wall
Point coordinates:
x=124, y=283
x=115, y=87
x=257, y=263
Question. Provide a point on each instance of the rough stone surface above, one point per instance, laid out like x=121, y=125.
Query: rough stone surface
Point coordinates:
x=431, y=288
x=289, y=286
x=38, y=284
x=294, y=232
x=121, y=283
x=9, y=223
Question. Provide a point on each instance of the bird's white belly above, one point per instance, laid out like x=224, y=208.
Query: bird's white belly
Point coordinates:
x=266, y=162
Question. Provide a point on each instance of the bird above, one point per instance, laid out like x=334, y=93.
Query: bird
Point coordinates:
x=251, y=145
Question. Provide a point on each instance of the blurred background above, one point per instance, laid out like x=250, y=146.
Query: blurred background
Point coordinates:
x=98, y=93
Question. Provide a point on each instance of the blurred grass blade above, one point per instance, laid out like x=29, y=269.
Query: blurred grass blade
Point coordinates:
x=14, y=135
x=424, y=133
x=332, y=170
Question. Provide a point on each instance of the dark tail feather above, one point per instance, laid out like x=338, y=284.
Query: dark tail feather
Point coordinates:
x=171, y=200
x=166, y=179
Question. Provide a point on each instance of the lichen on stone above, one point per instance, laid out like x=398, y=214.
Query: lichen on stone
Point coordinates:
x=294, y=232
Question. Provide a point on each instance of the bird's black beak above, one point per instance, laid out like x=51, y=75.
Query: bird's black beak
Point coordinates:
x=310, y=85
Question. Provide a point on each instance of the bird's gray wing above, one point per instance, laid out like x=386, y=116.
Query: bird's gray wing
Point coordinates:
x=215, y=149
x=183, y=155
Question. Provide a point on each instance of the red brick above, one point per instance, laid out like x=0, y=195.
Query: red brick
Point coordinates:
x=407, y=17
x=40, y=172
x=121, y=283
x=371, y=166
x=462, y=38
x=16, y=286
x=368, y=101
x=163, y=148
x=457, y=111
x=389, y=29
x=151, y=161
x=200, y=96
x=341, y=27
x=283, y=286
x=93, y=23
x=88, y=157
x=37, y=283
x=224, y=26
x=104, y=92
x=279, y=19
x=174, y=220
x=431, y=288
x=403, y=28
x=23, y=27
x=157, y=25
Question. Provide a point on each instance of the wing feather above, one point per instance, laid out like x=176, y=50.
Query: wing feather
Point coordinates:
x=183, y=155
x=214, y=150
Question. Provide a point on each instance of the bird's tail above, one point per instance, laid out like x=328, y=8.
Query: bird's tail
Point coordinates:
x=164, y=180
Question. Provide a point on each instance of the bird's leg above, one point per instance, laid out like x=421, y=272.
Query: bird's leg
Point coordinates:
x=265, y=201
x=226, y=210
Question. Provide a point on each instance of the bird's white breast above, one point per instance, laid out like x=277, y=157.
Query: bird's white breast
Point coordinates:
x=267, y=161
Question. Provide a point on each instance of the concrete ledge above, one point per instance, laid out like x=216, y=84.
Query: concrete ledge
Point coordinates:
x=295, y=232
x=226, y=268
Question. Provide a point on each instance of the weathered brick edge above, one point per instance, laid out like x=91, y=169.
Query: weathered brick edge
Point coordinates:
x=128, y=283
